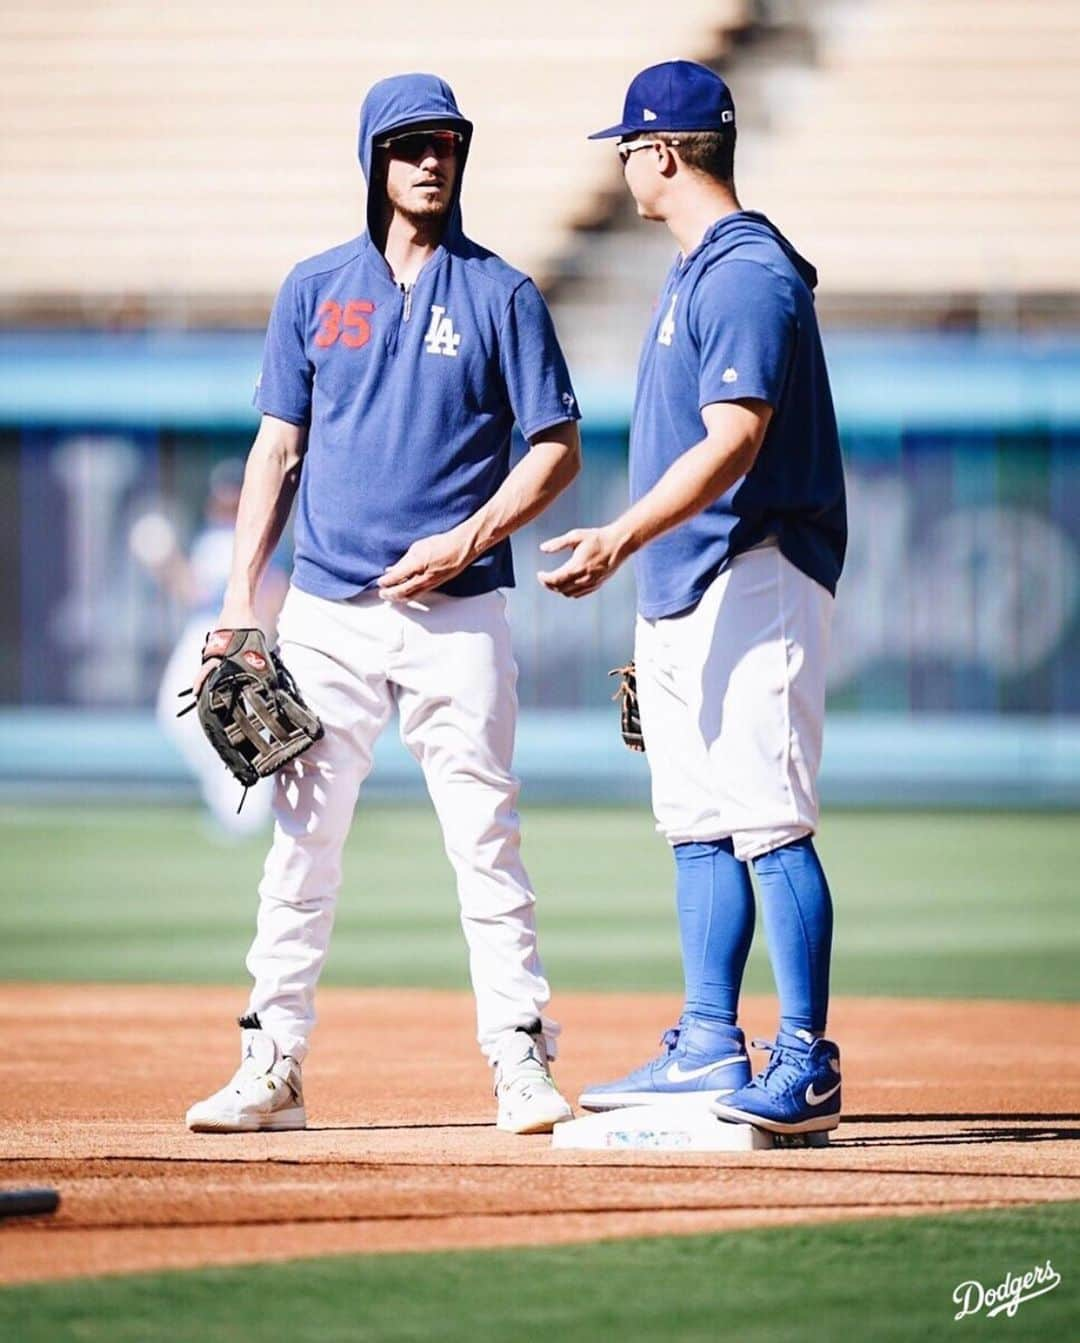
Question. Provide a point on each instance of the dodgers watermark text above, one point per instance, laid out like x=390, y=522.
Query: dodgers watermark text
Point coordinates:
x=1007, y=1296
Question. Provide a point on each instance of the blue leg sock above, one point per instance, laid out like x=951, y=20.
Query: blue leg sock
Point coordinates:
x=797, y=909
x=715, y=901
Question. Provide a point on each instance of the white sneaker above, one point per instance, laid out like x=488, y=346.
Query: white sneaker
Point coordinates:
x=266, y=1092
x=529, y=1100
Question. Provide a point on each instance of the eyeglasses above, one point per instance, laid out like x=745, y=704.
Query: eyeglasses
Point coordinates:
x=413, y=145
x=625, y=150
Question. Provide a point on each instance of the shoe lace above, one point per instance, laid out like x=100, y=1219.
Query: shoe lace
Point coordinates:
x=783, y=1065
x=668, y=1042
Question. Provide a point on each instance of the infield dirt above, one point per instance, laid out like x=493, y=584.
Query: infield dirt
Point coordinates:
x=948, y=1105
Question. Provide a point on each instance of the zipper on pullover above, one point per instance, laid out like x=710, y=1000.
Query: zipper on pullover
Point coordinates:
x=406, y=307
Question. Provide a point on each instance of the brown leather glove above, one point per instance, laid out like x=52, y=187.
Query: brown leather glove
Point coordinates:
x=629, y=716
x=249, y=706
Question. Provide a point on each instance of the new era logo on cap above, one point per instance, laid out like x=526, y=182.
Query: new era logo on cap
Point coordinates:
x=674, y=96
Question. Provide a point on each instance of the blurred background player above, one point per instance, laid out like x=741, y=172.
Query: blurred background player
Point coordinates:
x=738, y=530
x=198, y=581
x=395, y=368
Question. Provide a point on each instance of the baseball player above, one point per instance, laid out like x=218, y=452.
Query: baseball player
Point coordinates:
x=395, y=367
x=198, y=580
x=737, y=528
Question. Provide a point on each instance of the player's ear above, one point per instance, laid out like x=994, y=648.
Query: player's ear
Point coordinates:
x=666, y=159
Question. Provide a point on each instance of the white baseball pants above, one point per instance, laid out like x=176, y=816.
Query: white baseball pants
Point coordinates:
x=732, y=700
x=447, y=664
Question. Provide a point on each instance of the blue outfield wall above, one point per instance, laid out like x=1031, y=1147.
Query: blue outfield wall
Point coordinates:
x=955, y=667
x=567, y=755
x=194, y=380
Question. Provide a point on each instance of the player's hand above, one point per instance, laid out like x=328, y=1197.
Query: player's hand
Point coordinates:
x=204, y=671
x=426, y=564
x=231, y=618
x=597, y=554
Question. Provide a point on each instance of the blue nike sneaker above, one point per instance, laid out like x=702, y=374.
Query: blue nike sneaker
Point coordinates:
x=701, y=1061
x=798, y=1090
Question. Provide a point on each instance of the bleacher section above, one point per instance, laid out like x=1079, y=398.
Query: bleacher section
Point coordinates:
x=926, y=157
x=168, y=163
x=936, y=146
x=188, y=155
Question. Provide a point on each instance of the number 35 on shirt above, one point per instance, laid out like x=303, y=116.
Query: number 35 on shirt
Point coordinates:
x=347, y=322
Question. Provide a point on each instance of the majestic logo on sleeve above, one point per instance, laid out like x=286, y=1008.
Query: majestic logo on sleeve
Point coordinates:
x=667, y=327
x=440, y=337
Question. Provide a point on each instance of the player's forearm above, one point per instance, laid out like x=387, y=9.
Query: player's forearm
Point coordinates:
x=271, y=478
x=550, y=465
x=694, y=481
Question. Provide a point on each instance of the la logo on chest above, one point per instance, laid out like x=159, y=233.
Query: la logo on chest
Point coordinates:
x=440, y=337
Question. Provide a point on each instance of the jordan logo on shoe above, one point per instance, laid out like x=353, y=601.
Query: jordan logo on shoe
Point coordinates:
x=676, y=1073
x=812, y=1098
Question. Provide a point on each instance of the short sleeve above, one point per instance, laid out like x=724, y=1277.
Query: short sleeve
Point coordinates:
x=533, y=367
x=284, y=386
x=743, y=319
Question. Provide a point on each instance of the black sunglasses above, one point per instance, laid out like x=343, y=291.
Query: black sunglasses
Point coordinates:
x=413, y=145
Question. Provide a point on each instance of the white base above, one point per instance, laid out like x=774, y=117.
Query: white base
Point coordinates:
x=679, y=1100
x=670, y=1128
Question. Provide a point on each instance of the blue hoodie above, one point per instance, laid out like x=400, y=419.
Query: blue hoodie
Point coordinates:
x=410, y=396
x=736, y=319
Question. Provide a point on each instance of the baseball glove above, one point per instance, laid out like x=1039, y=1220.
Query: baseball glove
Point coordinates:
x=629, y=716
x=249, y=707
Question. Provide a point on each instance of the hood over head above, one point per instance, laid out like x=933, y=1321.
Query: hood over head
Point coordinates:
x=405, y=100
x=745, y=228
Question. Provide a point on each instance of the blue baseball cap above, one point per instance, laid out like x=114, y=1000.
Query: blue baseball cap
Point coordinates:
x=674, y=96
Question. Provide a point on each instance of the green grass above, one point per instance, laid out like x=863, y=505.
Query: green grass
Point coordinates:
x=865, y=1282
x=944, y=904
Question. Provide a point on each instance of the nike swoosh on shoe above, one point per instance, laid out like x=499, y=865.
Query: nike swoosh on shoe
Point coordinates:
x=675, y=1072
x=812, y=1098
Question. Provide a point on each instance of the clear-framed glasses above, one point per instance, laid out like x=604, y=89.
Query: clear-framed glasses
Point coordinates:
x=413, y=145
x=627, y=147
